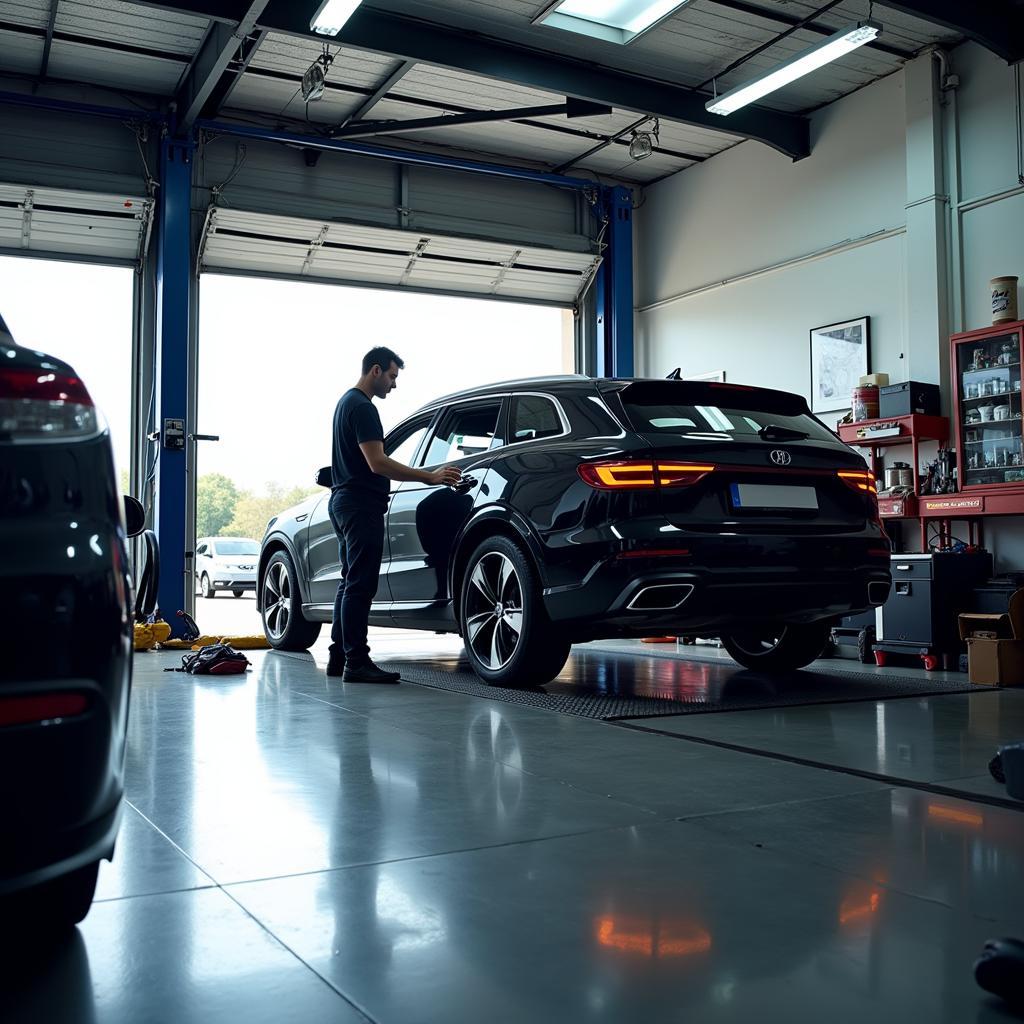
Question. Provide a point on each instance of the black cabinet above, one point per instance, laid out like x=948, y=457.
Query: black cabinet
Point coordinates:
x=928, y=594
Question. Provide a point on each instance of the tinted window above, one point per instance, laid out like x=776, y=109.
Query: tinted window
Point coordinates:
x=201, y=550
x=699, y=410
x=237, y=547
x=465, y=430
x=401, y=445
x=533, y=417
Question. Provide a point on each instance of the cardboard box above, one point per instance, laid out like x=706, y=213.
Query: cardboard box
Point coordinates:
x=995, y=645
x=880, y=380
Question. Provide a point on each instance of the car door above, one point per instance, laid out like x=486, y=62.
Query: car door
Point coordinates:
x=425, y=520
x=402, y=445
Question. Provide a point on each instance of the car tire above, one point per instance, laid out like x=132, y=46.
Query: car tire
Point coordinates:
x=866, y=645
x=55, y=906
x=206, y=587
x=777, y=648
x=238, y=593
x=499, y=573
x=283, y=621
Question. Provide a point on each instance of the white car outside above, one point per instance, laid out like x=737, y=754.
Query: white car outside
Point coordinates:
x=226, y=563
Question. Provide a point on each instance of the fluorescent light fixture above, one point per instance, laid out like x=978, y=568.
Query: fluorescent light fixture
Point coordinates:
x=836, y=46
x=615, y=21
x=331, y=16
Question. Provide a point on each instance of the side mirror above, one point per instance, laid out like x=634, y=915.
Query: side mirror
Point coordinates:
x=134, y=516
x=324, y=478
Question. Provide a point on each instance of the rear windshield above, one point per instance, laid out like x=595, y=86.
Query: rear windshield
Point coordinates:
x=237, y=547
x=706, y=412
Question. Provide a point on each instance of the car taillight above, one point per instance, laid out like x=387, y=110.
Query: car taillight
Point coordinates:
x=39, y=404
x=858, y=480
x=49, y=707
x=614, y=476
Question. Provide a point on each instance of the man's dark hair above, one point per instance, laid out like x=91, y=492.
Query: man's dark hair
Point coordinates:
x=382, y=357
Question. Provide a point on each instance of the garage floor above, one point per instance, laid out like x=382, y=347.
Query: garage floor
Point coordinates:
x=298, y=850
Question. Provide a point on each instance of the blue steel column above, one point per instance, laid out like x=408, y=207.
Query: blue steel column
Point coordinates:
x=173, y=271
x=613, y=292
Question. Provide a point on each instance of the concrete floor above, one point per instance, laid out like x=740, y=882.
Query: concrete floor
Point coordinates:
x=298, y=850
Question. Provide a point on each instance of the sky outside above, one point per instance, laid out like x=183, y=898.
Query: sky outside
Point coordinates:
x=276, y=355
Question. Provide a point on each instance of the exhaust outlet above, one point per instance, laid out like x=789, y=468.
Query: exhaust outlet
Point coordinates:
x=878, y=593
x=664, y=597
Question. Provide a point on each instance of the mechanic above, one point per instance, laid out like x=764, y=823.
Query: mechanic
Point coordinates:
x=360, y=472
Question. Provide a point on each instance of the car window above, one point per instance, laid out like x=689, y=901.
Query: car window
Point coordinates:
x=533, y=417
x=401, y=443
x=236, y=547
x=465, y=430
x=707, y=411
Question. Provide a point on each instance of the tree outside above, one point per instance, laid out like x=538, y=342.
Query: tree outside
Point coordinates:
x=253, y=511
x=216, y=500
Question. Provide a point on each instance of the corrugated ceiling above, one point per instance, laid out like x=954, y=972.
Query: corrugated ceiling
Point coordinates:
x=144, y=49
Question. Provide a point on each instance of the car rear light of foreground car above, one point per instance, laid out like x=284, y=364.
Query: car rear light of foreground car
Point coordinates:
x=49, y=707
x=858, y=480
x=615, y=476
x=39, y=404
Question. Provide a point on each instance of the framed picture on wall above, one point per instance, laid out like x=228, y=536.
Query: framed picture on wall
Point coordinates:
x=840, y=356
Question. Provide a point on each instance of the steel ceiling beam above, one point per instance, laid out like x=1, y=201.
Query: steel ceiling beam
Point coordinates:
x=473, y=117
x=998, y=25
x=430, y=43
x=208, y=80
x=379, y=93
x=44, y=64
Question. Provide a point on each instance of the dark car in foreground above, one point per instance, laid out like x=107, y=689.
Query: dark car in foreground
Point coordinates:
x=65, y=623
x=593, y=509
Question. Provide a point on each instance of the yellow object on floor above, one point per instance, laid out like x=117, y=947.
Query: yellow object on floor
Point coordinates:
x=240, y=643
x=189, y=645
x=149, y=634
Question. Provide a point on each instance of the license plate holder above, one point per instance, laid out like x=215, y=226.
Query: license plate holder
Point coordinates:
x=773, y=497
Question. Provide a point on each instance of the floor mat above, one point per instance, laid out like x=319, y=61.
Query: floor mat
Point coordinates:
x=718, y=689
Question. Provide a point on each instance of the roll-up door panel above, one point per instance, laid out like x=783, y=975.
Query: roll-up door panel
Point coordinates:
x=357, y=254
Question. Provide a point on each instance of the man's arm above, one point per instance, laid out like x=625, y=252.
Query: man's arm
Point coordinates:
x=379, y=463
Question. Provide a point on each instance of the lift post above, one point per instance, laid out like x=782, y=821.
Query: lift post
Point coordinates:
x=614, y=287
x=173, y=286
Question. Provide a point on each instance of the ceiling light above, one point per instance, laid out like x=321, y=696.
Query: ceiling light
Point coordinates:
x=331, y=16
x=641, y=146
x=803, y=63
x=616, y=21
x=315, y=79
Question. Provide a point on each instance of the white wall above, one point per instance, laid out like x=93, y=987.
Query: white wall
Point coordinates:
x=739, y=258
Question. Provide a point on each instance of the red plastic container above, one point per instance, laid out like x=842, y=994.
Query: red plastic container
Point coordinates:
x=865, y=402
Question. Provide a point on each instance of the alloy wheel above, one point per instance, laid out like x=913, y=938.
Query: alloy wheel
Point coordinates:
x=277, y=600
x=494, y=610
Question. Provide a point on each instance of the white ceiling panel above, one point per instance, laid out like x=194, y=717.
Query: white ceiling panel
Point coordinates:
x=85, y=63
x=20, y=52
x=355, y=254
x=283, y=99
x=131, y=25
x=34, y=13
x=62, y=222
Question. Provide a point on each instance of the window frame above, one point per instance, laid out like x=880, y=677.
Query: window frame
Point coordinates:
x=500, y=427
x=562, y=418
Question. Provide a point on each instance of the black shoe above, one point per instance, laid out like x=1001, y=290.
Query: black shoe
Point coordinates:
x=335, y=666
x=369, y=673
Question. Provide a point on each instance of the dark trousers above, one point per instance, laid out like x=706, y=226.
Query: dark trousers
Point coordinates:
x=361, y=542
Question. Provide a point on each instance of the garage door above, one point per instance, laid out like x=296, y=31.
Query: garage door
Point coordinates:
x=235, y=240
x=59, y=222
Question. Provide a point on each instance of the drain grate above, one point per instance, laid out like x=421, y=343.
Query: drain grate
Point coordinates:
x=733, y=691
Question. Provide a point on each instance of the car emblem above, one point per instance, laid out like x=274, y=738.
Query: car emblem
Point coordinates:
x=781, y=458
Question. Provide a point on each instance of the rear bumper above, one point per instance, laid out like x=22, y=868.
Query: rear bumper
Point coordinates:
x=61, y=785
x=707, y=592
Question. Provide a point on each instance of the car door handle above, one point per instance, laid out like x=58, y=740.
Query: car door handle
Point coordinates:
x=302, y=518
x=466, y=484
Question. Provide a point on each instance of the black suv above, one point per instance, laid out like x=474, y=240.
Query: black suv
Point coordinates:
x=592, y=509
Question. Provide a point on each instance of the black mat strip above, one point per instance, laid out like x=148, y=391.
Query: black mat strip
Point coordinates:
x=807, y=762
x=736, y=691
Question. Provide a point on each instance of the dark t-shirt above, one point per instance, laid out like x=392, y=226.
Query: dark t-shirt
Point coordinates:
x=356, y=421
